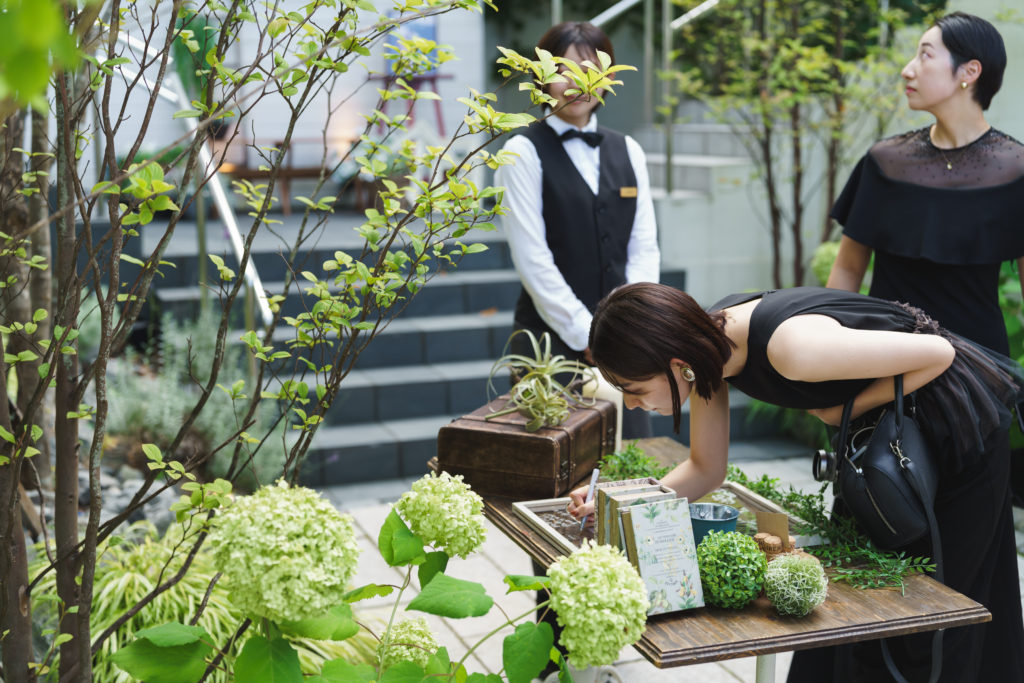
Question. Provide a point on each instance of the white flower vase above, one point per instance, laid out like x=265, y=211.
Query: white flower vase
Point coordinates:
x=593, y=674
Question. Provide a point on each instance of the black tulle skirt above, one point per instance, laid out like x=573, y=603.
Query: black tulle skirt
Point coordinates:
x=970, y=405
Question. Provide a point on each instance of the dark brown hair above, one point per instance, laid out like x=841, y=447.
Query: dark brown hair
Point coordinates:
x=639, y=328
x=585, y=36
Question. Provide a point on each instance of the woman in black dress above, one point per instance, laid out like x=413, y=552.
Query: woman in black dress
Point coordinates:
x=814, y=349
x=940, y=207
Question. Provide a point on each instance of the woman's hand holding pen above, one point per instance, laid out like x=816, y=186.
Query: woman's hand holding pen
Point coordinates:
x=578, y=507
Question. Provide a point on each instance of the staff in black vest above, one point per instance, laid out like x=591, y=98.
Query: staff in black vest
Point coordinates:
x=580, y=220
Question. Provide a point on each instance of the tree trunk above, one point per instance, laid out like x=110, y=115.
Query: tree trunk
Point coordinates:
x=41, y=289
x=797, y=223
x=66, y=428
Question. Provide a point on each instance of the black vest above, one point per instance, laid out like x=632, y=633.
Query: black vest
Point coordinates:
x=588, y=234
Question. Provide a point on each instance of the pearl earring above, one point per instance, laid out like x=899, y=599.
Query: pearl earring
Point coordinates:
x=687, y=374
x=963, y=85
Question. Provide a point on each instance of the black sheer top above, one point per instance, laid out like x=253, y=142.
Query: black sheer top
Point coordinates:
x=940, y=222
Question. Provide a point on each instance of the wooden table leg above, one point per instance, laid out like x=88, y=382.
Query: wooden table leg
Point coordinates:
x=765, y=669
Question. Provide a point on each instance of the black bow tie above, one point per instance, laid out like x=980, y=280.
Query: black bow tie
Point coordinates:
x=591, y=138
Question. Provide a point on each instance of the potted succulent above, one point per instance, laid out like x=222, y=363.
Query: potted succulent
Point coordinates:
x=540, y=438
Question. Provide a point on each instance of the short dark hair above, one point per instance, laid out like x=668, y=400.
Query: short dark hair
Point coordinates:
x=639, y=328
x=969, y=37
x=559, y=38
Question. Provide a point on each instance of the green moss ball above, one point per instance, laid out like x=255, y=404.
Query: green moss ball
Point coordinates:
x=731, y=569
x=795, y=584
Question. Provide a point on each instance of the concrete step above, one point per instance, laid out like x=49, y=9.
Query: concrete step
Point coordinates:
x=417, y=391
x=447, y=293
x=694, y=172
x=427, y=340
x=714, y=139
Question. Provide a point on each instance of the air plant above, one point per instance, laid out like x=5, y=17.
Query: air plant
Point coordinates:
x=539, y=393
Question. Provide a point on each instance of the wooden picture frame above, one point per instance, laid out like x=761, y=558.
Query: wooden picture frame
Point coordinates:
x=531, y=512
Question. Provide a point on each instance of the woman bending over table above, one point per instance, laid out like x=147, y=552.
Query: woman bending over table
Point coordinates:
x=814, y=349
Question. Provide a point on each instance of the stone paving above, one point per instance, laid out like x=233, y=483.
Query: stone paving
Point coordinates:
x=370, y=503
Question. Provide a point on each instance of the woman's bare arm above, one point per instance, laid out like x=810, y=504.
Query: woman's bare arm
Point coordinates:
x=816, y=348
x=850, y=265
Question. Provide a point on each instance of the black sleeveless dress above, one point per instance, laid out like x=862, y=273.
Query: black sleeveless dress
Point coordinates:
x=965, y=412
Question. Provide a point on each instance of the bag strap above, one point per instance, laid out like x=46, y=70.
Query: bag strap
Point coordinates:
x=933, y=531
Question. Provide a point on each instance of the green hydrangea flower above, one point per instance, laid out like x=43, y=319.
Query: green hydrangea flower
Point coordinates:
x=795, y=584
x=600, y=601
x=286, y=552
x=409, y=640
x=445, y=513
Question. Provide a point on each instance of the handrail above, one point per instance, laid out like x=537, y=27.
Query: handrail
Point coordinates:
x=685, y=19
x=173, y=91
x=614, y=11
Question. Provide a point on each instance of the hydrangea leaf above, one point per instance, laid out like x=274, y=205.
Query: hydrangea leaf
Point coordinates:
x=398, y=544
x=370, y=590
x=521, y=582
x=454, y=598
x=525, y=652
x=169, y=635
x=145, y=660
x=267, y=661
x=436, y=563
x=336, y=624
x=439, y=663
x=403, y=672
x=340, y=671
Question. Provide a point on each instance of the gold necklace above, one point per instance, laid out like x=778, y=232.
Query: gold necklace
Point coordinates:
x=959, y=150
x=949, y=164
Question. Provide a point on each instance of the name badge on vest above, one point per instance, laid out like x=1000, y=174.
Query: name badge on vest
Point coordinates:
x=627, y=192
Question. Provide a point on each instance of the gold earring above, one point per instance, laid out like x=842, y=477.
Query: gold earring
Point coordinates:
x=963, y=85
x=687, y=374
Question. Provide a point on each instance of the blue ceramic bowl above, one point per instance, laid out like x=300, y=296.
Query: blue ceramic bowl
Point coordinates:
x=711, y=516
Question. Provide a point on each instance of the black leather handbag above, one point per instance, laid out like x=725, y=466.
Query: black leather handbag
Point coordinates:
x=887, y=476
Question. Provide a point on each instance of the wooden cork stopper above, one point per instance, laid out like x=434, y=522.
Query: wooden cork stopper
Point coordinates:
x=792, y=543
x=773, y=545
x=759, y=539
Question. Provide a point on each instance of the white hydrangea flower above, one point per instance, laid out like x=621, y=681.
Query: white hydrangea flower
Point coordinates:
x=601, y=603
x=287, y=553
x=409, y=640
x=445, y=513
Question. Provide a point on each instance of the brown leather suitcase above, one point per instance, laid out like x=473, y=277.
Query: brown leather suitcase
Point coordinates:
x=499, y=457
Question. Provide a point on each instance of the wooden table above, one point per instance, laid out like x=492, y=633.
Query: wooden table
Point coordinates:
x=711, y=634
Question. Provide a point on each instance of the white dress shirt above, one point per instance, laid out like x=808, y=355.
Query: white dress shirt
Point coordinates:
x=524, y=227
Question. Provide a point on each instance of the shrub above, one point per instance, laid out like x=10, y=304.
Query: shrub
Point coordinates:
x=732, y=569
x=795, y=584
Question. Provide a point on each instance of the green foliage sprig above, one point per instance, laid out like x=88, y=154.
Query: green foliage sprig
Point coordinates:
x=856, y=560
x=732, y=569
x=631, y=463
x=538, y=393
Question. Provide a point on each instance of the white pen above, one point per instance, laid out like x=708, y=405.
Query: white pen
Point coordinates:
x=590, y=493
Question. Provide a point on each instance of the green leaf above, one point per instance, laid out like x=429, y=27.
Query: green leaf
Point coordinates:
x=368, y=591
x=337, y=624
x=403, y=672
x=484, y=678
x=447, y=596
x=173, y=634
x=398, y=544
x=521, y=582
x=436, y=562
x=152, y=451
x=263, y=661
x=145, y=660
x=340, y=671
x=6, y=435
x=526, y=652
